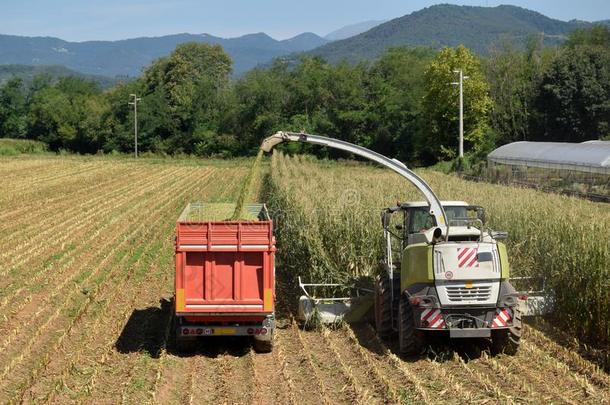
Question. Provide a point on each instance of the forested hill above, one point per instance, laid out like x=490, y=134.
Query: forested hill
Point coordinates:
x=28, y=73
x=128, y=57
x=449, y=25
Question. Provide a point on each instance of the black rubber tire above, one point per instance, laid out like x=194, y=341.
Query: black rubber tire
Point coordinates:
x=263, y=346
x=183, y=344
x=383, y=307
x=507, y=341
x=186, y=345
x=410, y=340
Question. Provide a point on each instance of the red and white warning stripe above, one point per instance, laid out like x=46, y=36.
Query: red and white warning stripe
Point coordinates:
x=504, y=317
x=467, y=257
x=432, y=318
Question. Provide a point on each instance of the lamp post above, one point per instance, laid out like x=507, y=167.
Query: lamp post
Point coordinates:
x=460, y=83
x=134, y=103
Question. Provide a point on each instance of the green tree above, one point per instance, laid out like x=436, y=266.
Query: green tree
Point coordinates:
x=68, y=115
x=259, y=104
x=192, y=82
x=574, y=96
x=13, y=122
x=327, y=99
x=598, y=35
x=395, y=94
x=514, y=76
x=440, y=105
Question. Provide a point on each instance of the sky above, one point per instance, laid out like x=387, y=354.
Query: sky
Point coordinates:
x=82, y=20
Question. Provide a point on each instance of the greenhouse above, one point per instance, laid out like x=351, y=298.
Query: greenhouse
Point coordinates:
x=590, y=156
x=579, y=168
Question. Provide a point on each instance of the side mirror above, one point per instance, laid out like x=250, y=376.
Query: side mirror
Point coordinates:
x=481, y=214
x=385, y=219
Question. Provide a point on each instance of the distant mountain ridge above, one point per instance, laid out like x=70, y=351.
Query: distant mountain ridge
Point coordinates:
x=449, y=25
x=352, y=29
x=128, y=57
x=27, y=74
x=436, y=26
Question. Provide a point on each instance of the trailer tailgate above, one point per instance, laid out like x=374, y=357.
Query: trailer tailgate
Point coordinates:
x=225, y=267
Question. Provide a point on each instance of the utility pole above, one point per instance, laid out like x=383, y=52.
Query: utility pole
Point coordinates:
x=134, y=103
x=460, y=83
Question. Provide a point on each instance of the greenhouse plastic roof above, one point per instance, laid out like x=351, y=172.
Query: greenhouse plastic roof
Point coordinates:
x=590, y=156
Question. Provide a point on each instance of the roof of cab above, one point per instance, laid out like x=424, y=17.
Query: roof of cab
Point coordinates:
x=419, y=204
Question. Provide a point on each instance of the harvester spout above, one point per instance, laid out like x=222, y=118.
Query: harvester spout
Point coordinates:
x=275, y=139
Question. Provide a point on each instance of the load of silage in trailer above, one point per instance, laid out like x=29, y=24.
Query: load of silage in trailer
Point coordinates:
x=206, y=212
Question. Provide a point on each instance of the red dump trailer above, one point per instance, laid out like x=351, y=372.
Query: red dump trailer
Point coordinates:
x=225, y=275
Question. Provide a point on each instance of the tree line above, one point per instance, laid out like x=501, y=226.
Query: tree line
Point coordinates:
x=402, y=104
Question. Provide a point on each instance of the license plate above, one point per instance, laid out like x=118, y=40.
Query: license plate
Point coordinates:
x=207, y=331
x=224, y=331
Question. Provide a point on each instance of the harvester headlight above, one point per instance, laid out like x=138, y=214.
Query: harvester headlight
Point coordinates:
x=509, y=301
x=423, y=300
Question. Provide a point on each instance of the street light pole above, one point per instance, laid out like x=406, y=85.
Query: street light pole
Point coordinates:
x=134, y=103
x=460, y=83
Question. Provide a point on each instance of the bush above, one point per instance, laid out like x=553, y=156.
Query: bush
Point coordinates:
x=11, y=147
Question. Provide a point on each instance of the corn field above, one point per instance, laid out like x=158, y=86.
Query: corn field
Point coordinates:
x=87, y=283
x=330, y=214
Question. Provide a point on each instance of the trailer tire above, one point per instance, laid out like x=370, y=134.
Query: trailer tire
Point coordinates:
x=410, y=340
x=263, y=346
x=186, y=345
x=507, y=341
x=383, y=307
x=183, y=344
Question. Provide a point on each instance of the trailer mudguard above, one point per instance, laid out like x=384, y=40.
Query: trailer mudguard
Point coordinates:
x=416, y=265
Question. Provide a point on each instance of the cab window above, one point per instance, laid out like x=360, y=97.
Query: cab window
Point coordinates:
x=420, y=220
x=456, y=212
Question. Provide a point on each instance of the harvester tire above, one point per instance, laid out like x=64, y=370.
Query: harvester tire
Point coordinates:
x=410, y=340
x=263, y=346
x=506, y=341
x=383, y=307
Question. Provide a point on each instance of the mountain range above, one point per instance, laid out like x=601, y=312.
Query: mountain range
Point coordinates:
x=437, y=26
x=128, y=57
